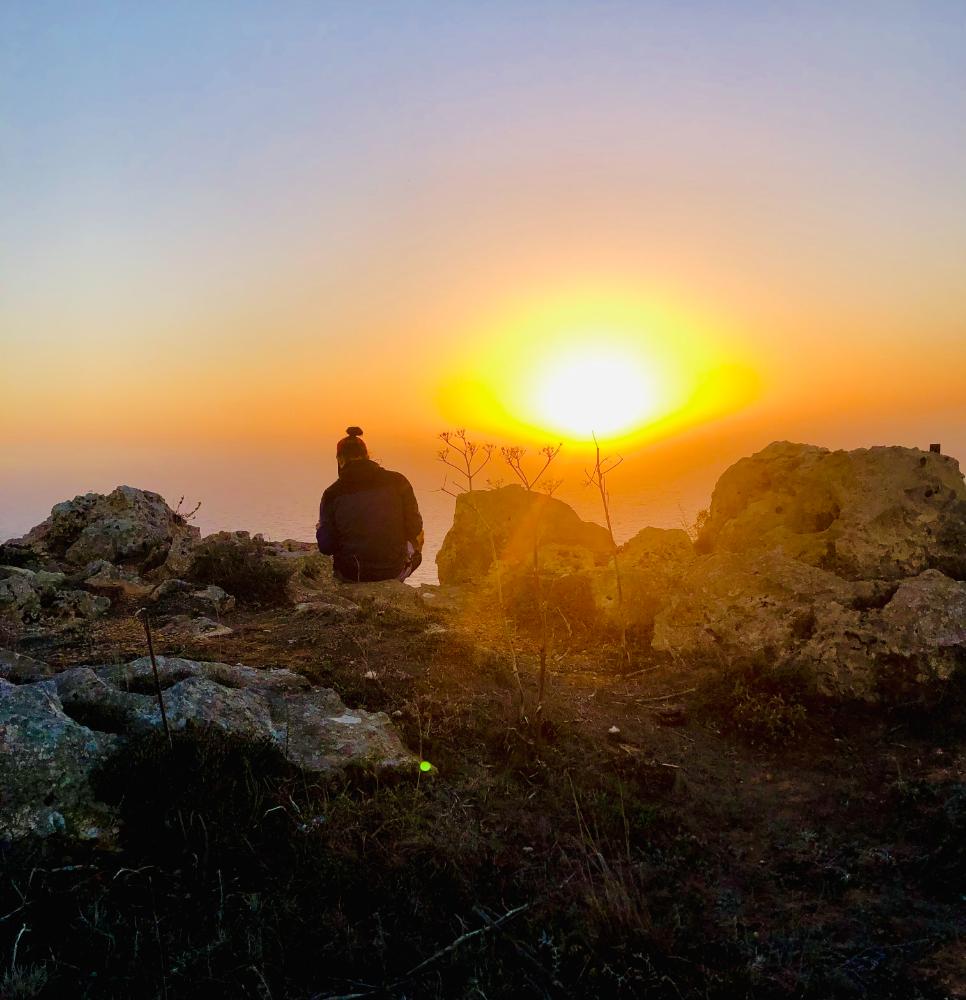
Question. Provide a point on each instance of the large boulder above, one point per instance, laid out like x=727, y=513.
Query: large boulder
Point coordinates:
x=846, y=564
x=55, y=732
x=129, y=527
x=738, y=603
x=508, y=522
x=867, y=640
x=872, y=513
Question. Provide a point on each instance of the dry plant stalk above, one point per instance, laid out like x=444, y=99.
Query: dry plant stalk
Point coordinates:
x=467, y=468
x=142, y=614
x=465, y=457
x=513, y=456
x=597, y=477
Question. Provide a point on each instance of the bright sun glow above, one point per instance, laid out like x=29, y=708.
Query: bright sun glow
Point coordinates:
x=594, y=364
x=595, y=390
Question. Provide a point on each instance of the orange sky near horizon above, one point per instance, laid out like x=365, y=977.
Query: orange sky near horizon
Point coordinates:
x=234, y=238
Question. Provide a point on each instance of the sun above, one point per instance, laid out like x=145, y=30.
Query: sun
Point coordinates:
x=595, y=390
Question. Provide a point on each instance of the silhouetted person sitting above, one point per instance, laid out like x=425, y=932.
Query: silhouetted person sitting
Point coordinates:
x=368, y=519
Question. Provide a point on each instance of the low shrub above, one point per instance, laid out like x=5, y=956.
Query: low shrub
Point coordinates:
x=245, y=567
x=764, y=717
x=763, y=704
x=569, y=600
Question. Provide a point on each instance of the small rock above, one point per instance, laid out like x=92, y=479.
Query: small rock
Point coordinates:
x=111, y=581
x=205, y=628
x=214, y=598
x=20, y=669
x=74, y=604
x=327, y=613
x=19, y=599
x=168, y=587
x=671, y=715
x=614, y=734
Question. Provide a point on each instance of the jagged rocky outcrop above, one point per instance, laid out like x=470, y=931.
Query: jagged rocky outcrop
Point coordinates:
x=848, y=564
x=873, y=513
x=57, y=730
x=27, y=596
x=816, y=558
x=129, y=527
x=507, y=521
x=91, y=551
x=130, y=546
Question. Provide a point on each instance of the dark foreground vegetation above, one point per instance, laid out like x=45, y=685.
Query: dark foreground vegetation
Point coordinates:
x=748, y=843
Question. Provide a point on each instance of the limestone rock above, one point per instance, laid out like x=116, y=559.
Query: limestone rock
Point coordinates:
x=21, y=669
x=129, y=527
x=19, y=599
x=73, y=605
x=653, y=565
x=873, y=513
x=186, y=627
x=46, y=763
x=54, y=733
x=509, y=520
x=167, y=588
x=26, y=596
x=745, y=603
x=917, y=638
x=214, y=599
x=655, y=549
x=855, y=641
x=311, y=725
x=109, y=580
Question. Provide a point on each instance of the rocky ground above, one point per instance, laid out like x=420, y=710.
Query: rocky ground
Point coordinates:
x=770, y=803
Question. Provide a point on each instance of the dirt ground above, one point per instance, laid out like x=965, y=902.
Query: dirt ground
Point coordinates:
x=689, y=853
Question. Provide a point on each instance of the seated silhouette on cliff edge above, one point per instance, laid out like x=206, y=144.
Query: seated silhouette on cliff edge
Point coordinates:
x=369, y=521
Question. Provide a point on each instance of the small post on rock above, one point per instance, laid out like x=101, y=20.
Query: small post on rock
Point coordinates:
x=142, y=614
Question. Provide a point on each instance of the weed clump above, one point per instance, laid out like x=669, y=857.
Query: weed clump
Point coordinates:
x=243, y=566
x=763, y=705
x=568, y=601
x=764, y=717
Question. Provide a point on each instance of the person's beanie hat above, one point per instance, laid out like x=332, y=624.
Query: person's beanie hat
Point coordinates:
x=352, y=446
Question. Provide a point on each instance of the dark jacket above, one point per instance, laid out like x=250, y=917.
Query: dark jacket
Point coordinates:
x=365, y=520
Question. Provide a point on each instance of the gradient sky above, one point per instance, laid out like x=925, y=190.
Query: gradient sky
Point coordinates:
x=246, y=225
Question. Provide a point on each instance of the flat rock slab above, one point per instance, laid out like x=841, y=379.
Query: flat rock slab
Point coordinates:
x=186, y=627
x=55, y=732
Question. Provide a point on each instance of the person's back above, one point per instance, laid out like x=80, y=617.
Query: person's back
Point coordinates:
x=369, y=521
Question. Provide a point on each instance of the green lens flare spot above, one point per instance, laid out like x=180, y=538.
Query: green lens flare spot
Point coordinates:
x=424, y=765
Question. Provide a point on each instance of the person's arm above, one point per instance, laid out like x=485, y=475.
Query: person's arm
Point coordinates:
x=411, y=517
x=325, y=529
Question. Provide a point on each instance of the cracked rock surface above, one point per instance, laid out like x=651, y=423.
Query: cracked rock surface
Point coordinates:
x=56, y=731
